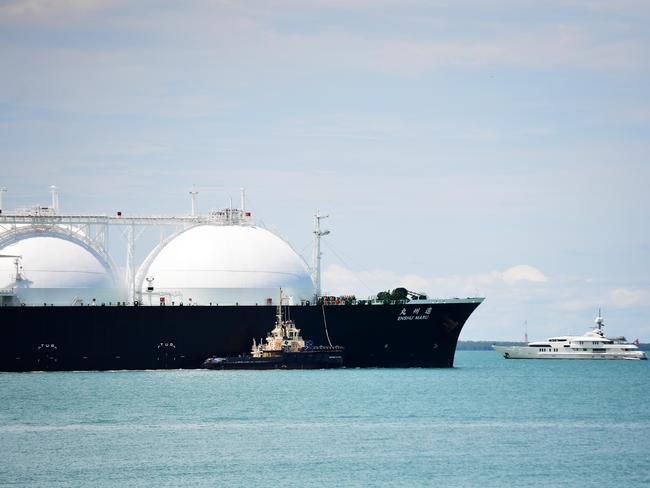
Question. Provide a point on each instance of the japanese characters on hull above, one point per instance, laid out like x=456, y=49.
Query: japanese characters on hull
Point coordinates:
x=418, y=313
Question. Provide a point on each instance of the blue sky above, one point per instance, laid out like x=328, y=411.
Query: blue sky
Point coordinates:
x=495, y=147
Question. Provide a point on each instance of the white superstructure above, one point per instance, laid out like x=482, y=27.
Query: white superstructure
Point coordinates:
x=285, y=337
x=592, y=345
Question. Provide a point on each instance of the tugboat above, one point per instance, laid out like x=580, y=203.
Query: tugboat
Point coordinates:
x=284, y=348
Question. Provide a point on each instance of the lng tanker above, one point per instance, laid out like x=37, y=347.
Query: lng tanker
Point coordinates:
x=204, y=290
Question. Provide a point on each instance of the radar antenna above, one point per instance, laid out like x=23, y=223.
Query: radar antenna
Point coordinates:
x=600, y=323
x=316, y=269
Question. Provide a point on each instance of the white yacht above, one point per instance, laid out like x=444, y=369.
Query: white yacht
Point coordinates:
x=592, y=345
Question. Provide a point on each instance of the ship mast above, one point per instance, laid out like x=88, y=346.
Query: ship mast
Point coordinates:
x=318, y=233
x=279, y=311
x=2, y=191
x=16, y=259
x=55, y=198
x=19, y=281
x=193, y=194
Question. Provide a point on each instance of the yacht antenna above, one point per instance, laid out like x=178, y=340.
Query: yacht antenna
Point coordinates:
x=316, y=262
x=599, y=320
x=526, y=331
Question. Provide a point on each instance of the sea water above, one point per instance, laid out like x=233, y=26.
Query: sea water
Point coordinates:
x=486, y=422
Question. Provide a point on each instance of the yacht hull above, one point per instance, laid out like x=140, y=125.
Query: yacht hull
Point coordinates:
x=526, y=353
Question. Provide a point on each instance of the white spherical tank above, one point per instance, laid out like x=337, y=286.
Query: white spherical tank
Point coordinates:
x=56, y=269
x=224, y=264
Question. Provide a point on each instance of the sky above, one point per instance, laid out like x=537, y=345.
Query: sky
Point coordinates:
x=497, y=148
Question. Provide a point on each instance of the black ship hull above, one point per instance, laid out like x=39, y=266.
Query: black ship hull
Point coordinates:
x=125, y=337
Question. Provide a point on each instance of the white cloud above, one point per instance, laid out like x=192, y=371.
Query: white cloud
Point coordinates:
x=624, y=297
x=573, y=304
x=414, y=282
x=30, y=9
x=339, y=280
x=518, y=275
x=523, y=272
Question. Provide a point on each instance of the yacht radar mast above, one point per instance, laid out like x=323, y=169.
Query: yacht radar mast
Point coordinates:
x=526, y=331
x=316, y=264
x=600, y=323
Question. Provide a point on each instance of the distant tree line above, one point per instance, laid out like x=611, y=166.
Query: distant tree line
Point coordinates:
x=483, y=345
